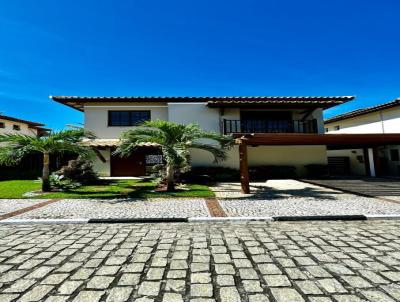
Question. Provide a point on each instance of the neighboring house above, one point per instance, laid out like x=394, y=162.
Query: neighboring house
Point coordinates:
x=384, y=119
x=12, y=125
x=29, y=167
x=280, y=117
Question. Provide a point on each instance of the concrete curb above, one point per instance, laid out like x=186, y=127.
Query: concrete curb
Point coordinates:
x=320, y=218
x=137, y=220
x=44, y=221
x=203, y=219
x=217, y=219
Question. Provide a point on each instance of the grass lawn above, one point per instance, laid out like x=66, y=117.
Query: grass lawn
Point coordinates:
x=106, y=189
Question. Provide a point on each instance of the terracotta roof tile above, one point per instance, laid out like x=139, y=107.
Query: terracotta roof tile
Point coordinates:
x=78, y=102
x=363, y=111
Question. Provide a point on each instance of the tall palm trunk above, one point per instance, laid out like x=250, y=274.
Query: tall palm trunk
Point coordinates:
x=46, y=172
x=170, y=178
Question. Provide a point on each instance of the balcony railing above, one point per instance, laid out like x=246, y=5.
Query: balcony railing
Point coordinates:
x=270, y=126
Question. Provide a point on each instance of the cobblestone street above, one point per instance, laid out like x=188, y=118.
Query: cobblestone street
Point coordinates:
x=258, y=261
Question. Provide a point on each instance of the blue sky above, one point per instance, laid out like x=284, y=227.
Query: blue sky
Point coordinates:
x=196, y=47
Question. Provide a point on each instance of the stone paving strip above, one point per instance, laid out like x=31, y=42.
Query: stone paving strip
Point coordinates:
x=10, y=205
x=120, y=208
x=22, y=210
x=202, y=262
x=295, y=198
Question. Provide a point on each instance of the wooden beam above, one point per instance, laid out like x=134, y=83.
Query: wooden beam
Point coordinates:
x=244, y=167
x=99, y=155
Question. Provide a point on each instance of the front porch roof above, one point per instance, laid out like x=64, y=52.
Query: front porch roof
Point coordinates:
x=78, y=102
x=332, y=141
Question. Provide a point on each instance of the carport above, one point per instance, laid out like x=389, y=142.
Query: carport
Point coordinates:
x=368, y=142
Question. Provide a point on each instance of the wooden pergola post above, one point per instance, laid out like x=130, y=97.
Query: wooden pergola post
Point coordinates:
x=244, y=167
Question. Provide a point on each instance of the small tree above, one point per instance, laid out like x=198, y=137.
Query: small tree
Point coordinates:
x=14, y=147
x=175, y=141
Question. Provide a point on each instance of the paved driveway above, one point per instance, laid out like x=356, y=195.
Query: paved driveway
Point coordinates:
x=375, y=187
x=260, y=261
x=290, y=197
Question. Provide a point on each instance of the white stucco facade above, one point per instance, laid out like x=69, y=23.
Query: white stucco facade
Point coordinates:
x=209, y=119
x=7, y=127
x=383, y=121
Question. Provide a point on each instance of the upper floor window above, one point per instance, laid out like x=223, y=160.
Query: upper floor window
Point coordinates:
x=128, y=118
x=394, y=155
x=337, y=127
x=2, y=125
x=16, y=127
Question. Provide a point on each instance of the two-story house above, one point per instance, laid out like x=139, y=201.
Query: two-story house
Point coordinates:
x=108, y=117
x=381, y=119
x=12, y=125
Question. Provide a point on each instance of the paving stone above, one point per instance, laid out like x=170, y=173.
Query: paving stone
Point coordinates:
x=331, y=286
x=176, y=274
x=200, y=278
x=201, y=290
x=258, y=298
x=200, y=267
x=224, y=269
x=148, y=288
x=155, y=274
x=37, y=293
x=119, y=294
x=225, y=280
x=252, y=286
x=248, y=274
x=269, y=269
x=229, y=294
x=20, y=286
x=100, y=282
x=276, y=280
x=8, y=297
x=393, y=276
x=175, y=285
x=376, y=296
x=172, y=297
x=129, y=279
x=347, y=298
x=68, y=287
x=92, y=296
x=108, y=270
x=55, y=279
x=56, y=299
x=286, y=294
x=308, y=287
x=373, y=277
x=393, y=290
x=356, y=282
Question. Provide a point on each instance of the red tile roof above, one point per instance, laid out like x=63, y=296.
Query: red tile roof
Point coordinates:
x=13, y=119
x=78, y=102
x=363, y=111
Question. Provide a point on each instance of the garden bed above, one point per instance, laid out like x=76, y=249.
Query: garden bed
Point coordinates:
x=104, y=189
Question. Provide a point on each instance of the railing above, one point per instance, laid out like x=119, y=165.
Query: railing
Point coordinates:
x=270, y=126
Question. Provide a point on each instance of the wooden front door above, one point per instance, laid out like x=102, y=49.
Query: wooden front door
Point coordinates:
x=134, y=165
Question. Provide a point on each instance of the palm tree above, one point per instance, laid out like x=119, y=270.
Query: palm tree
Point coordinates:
x=14, y=147
x=175, y=141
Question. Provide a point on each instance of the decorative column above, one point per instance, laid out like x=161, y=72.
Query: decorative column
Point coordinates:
x=244, y=167
x=371, y=162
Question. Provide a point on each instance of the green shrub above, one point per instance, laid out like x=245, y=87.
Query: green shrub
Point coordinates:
x=272, y=172
x=59, y=182
x=79, y=170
